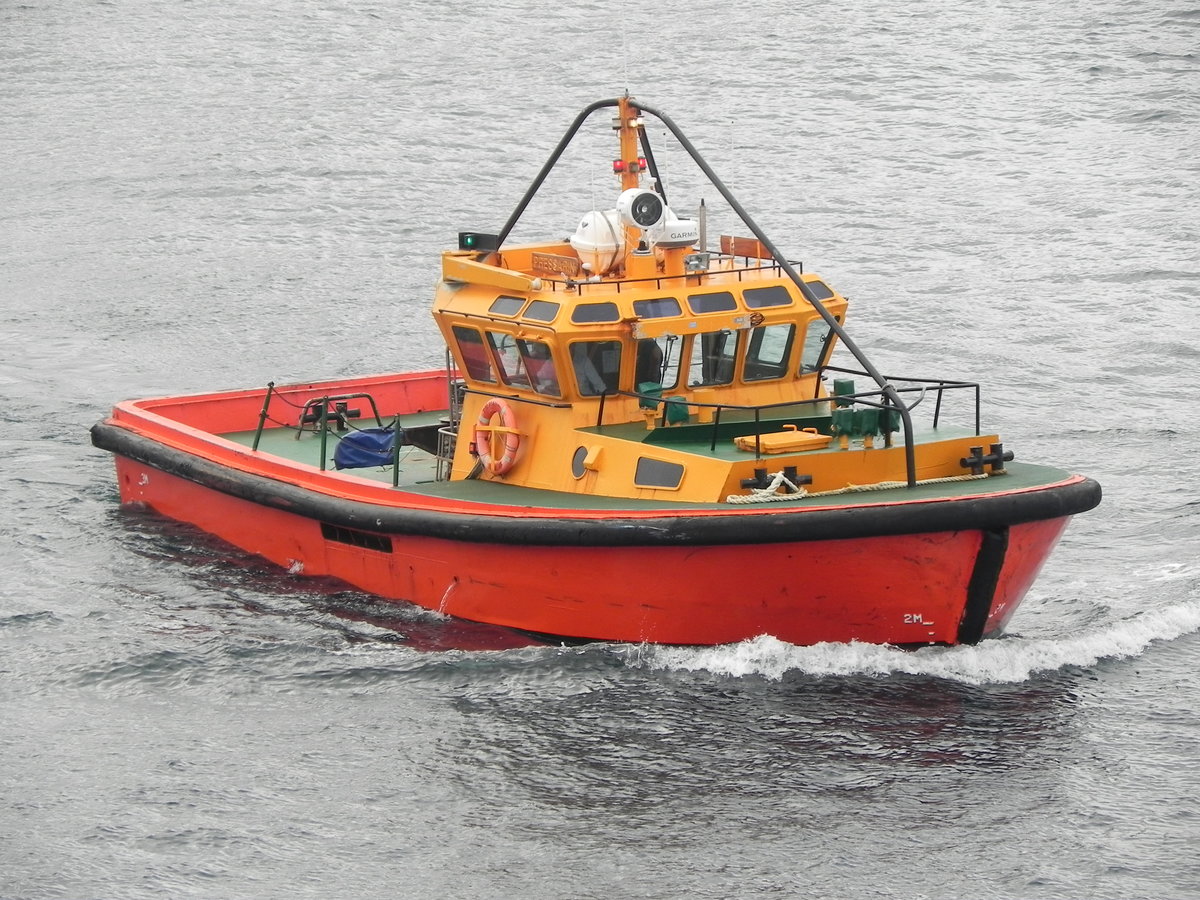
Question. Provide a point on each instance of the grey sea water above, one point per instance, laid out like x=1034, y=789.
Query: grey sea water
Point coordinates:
x=199, y=196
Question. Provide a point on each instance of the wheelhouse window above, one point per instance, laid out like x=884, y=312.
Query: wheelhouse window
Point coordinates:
x=506, y=306
x=713, y=357
x=525, y=364
x=541, y=311
x=473, y=354
x=597, y=366
x=659, y=308
x=539, y=363
x=508, y=358
x=720, y=301
x=658, y=362
x=760, y=298
x=767, y=352
x=818, y=338
x=590, y=313
x=819, y=289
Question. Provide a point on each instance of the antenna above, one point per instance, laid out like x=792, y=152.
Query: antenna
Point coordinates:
x=624, y=57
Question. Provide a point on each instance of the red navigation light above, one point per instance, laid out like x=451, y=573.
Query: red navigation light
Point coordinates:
x=642, y=163
x=618, y=166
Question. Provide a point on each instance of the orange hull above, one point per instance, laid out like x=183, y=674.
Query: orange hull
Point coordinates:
x=941, y=587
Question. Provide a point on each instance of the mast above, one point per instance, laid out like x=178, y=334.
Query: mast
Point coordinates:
x=628, y=124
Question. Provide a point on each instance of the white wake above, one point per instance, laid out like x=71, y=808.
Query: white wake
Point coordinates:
x=1009, y=659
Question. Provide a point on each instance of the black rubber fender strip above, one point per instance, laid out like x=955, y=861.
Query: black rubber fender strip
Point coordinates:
x=981, y=589
x=683, y=528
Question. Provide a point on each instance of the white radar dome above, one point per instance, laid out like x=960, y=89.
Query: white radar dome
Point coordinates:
x=674, y=232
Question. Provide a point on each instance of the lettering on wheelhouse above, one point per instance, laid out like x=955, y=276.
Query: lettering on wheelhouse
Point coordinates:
x=554, y=264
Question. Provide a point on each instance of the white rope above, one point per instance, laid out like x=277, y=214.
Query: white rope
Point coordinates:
x=892, y=485
x=768, y=494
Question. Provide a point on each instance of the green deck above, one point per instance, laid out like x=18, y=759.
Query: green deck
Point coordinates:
x=416, y=466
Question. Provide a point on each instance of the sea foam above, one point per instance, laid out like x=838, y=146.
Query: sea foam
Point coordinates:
x=1010, y=659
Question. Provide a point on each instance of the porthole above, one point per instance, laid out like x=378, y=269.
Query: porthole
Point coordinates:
x=577, y=468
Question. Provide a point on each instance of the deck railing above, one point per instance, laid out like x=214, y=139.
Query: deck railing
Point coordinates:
x=661, y=282
x=879, y=398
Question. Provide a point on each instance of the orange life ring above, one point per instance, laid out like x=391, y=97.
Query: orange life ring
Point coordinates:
x=485, y=430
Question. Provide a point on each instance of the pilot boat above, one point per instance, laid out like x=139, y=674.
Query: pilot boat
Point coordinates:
x=636, y=437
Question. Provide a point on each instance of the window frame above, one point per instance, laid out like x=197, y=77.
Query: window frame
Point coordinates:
x=780, y=369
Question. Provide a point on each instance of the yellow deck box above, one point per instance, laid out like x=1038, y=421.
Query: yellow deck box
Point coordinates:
x=790, y=440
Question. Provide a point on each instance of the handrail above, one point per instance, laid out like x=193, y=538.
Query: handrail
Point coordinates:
x=338, y=414
x=942, y=384
x=618, y=283
x=888, y=400
x=262, y=416
x=548, y=166
x=517, y=397
x=497, y=320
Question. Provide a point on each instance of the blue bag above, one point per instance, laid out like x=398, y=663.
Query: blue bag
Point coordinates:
x=367, y=447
